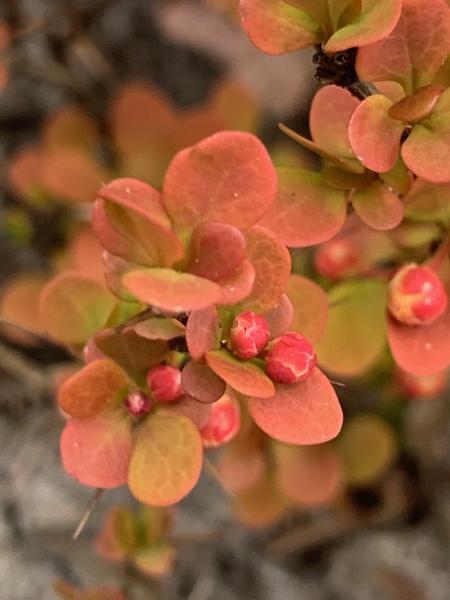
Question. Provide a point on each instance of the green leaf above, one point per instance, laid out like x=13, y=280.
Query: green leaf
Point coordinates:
x=356, y=331
x=166, y=460
x=368, y=447
x=428, y=201
x=73, y=307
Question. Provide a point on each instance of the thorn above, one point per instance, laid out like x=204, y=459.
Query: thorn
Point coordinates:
x=338, y=383
x=87, y=513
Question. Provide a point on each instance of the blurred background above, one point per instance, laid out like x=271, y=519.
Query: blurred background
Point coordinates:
x=95, y=89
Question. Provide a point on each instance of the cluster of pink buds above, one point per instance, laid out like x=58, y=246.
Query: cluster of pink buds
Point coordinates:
x=164, y=384
x=417, y=295
x=289, y=358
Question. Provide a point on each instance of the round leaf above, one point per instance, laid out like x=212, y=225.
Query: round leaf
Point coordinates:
x=159, y=328
x=272, y=264
x=378, y=206
x=368, y=446
x=168, y=290
x=374, y=135
x=303, y=413
x=97, y=451
x=228, y=178
x=307, y=210
x=243, y=376
x=356, y=331
x=279, y=318
x=310, y=305
x=421, y=350
x=309, y=476
x=166, y=461
x=72, y=308
x=202, y=332
x=276, y=27
x=201, y=383
x=93, y=388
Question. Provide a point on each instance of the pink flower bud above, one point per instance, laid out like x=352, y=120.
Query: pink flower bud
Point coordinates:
x=422, y=386
x=164, y=383
x=138, y=404
x=249, y=335
x=223, y=423
x=337, y=259
x=416, y=295
x=290, y=358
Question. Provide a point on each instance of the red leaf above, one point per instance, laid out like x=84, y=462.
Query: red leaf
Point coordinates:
x=309, y=476
x=272, y=264
x=279, y=318
x=228, y=178
x=202, y=332
x=70, y=175
x=307, y=210
x=135, y=354
x=197, y=412
x=378, y=206
x=331, y=110
x=417, y=106
x=237, y=287
x=276, y=28
x=427, y=150
x=172, y=291
x=414, y=51
x=422, y=350
x=95, y=387
x=97, y=451
x=159, y=328
x=201, y=383
x=216, y=251
x=131, y=222
x=243, y=376
x=374, y=135
x=166, y=461
x=303, y=413
x=310, y=305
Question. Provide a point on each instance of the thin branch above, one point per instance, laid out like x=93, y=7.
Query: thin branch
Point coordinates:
x=87, y=513
x=214, y=473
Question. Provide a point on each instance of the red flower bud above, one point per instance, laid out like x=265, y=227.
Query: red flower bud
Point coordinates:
x=416, y=295
x=290, y=358
x=164, y=383
x=138, y=404
x=223, y=423
x=337, y=259
x=249, y=335
x=422, y=386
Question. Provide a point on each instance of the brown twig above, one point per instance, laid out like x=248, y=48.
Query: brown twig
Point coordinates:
x=87, y=513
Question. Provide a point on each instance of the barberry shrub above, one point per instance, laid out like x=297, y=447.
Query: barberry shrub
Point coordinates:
x=201, y=335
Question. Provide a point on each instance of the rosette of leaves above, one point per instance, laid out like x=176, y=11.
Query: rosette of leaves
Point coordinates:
x=413, y=122
x=138, y=538
x=197, y=249
x=279, y=26
x=311, y=206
